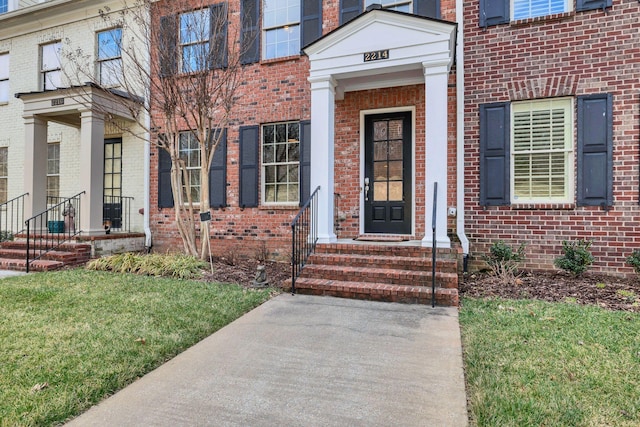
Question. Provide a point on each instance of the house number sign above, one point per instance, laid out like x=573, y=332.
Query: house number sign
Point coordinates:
x=57, y=101
x=376, y=55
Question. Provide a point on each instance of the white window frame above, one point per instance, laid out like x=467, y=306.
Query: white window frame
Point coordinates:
x=192, y=167
x=267, y=200
x=109, y=67
x=196, y=26
x=273, y=26
x=50, y=72
x=53, y=170
x=567, y=105
x=399, y=5
x=567, y=7
x=5, y=60
x=4, y=174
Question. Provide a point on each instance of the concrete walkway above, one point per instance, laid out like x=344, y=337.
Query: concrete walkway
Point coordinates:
x=307, y=361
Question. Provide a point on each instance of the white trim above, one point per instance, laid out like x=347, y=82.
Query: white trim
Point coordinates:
x=363, y=113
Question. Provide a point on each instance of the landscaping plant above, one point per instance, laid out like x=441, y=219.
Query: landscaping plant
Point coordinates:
x=634, y=261
x=503, y=261
x=577, y=258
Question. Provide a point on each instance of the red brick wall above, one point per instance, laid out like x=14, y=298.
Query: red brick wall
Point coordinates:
x=573, y=54
x=278, y=90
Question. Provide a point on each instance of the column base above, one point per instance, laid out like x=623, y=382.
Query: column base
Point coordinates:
x=442, y=242
x=328, y=238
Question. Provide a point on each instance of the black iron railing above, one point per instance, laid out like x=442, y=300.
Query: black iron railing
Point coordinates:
x=12, y=217
x=304, y=230
x=433, y=244
x=50, y=229
x=116, y=213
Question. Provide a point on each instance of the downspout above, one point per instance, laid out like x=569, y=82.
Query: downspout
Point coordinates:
x=460, y=190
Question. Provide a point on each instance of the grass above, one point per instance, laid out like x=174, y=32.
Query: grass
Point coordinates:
x=531, y=363
x=71, y=338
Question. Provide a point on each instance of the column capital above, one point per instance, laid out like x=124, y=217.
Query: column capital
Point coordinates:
x=323, y=82
x=436, y=67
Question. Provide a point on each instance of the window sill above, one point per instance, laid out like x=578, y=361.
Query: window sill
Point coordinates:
x=543, y=19
x=4, y=103
x=279, y=207
x=278, y=60
x=543, y=206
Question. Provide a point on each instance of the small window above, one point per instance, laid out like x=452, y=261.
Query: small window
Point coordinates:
x=50, y=65
x=281, y=25
x=4, y=77
x=53, y=172
x=110, y=57
x=4, y=6
x=281, y=163
x=401, y=6
x=190, y=155
x=195, y=29
x=542, y=151
x=4, y=173
x=524, y=9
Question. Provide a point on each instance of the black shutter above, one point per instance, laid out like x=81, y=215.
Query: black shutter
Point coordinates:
x=595, y=150
x=249, y=163
x=218, y=35
x=428, y=8
x=168, y=49
x=250, y=35
x=349, y=9
x=165, y=195
x=494, y=12
x=305, y=161
x=311, y=21
x=218, y=174
x=592, y=4
x=494, y=154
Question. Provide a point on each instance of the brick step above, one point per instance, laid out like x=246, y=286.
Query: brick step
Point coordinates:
x=383, y=261
x=68, y=246
x=38, y=265
x=381, y=249
x=376, y=291
x=379, y=275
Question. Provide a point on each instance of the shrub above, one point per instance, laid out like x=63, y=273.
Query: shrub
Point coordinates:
x=503, y=261
x=634, y=261
x=177, y=266
x=577, y=258
x=6, y=236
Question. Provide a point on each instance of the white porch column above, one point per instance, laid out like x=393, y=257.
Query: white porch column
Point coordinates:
x=322, y=154
x=436, y=164
x=91, y=172
x=35, y=165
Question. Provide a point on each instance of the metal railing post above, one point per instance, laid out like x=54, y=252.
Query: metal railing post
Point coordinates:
x=433, y=244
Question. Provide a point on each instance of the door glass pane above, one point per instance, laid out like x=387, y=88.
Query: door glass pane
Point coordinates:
x=395, y=191
x=395, y=150
x=395, y=129
x=379, y=191
x=380, y=171
x=395, y=171
x=380, y=131
x=380, y=150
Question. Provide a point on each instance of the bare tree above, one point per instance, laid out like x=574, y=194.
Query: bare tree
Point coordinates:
x=178, y=73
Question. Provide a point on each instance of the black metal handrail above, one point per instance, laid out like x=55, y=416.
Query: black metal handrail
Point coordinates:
x=433, y=244
x=116, y=213
x=12, y=217
x=50, y=229
x=304, y=230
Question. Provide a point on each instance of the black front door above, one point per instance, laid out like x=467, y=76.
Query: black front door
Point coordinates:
x=388, y=186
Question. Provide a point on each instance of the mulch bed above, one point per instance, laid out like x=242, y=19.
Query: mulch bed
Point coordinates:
x=243, y=272
x=608, y=292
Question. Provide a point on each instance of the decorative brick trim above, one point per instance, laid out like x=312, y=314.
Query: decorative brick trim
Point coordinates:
x=543, y=87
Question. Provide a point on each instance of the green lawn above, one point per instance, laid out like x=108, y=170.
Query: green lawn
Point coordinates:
x=531, y=363
x=69, y=339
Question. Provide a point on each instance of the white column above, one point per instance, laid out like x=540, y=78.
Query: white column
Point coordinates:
x=322, y=153
x=91, y=172
x=35, y=165
x=436, y=164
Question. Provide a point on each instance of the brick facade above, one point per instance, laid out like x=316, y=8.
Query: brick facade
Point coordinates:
x=570, y=54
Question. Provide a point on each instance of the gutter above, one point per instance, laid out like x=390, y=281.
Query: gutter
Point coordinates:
x=460, y=190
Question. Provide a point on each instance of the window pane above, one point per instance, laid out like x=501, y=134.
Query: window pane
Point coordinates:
x=282, y=42
x=195, y=57
x=52, y=80
x=523, y=9
x=4, y=66
x=109, y=43
x=50, y=56
x=4, y=91
x=280, y=162
x=111, y=72
x=194, y=26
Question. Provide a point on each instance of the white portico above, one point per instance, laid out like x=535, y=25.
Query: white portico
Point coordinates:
x=86, y=108
x=381, y=49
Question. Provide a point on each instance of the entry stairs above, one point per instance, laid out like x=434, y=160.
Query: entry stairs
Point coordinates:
x=13, y=255
x=381, y=272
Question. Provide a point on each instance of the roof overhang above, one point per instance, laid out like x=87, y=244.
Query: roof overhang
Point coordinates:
x=406, y=44
x=65, y=105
